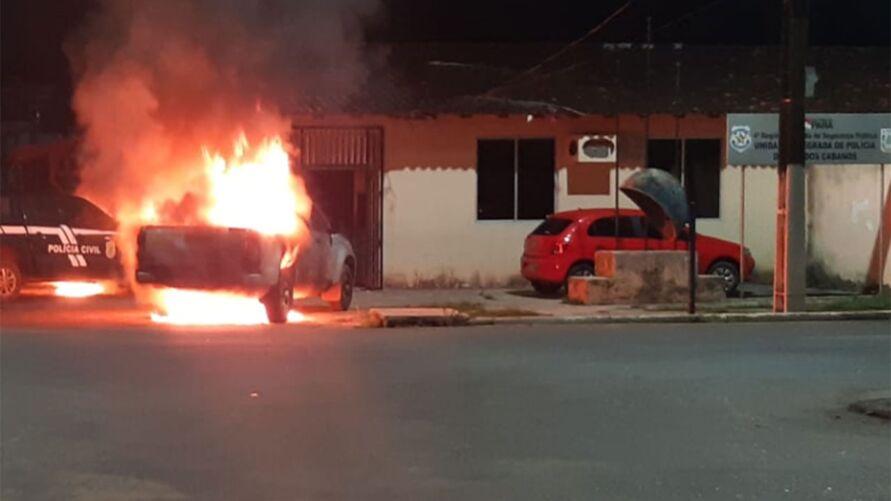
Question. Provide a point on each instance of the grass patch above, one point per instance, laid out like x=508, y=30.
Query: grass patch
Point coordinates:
x=853, y=303
x=475, y=310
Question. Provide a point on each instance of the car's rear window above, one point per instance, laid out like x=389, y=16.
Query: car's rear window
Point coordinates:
x=552, y=226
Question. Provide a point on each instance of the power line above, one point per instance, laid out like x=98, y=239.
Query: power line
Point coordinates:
x=688, y=15
x=562, y=51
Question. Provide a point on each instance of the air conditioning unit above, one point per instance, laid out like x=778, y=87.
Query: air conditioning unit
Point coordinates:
x=596, y=148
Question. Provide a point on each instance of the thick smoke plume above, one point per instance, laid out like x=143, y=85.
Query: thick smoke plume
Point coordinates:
x=158, y=82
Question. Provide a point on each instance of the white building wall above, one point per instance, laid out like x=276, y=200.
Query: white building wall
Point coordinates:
x=759, y=232
x=845, y=205
x=432, y=236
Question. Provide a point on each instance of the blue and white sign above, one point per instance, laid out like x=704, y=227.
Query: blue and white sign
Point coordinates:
x=830, y=138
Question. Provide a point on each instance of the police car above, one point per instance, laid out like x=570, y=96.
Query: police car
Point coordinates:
x=48, y=238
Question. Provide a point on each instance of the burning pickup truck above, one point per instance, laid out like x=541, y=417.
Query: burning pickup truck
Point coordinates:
x=244, y=261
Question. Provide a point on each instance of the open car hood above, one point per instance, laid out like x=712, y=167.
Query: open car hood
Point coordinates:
x=661, y=197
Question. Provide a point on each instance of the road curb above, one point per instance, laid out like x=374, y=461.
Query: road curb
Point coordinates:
x=414, y=317
x=684, y=318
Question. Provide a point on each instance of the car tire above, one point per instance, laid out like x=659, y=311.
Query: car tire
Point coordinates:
x=346, y=290
x=579, y=270
x=729, y=273
x=546, y=288
x=278, y=303
x=10, y=280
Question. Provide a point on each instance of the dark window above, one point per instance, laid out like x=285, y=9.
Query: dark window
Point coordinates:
x=10, y=211
x=629, y=227
x=535, y=178
x=515, y=178
x=665, y=154
x=652, y=231
x=43, y=211
x=604, y=227
x=495, y=179
x=83, y=214
x=698, y=158
x=702, y=161
x=552, y=226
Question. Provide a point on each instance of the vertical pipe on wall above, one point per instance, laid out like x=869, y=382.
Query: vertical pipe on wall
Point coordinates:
x=516, y=178
x=646, y=150
x=882, y=248
x=742, y=225
x=616, y=182
x=690, y=189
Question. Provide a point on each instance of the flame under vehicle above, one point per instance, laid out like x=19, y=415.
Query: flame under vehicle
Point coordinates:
x=271, y=268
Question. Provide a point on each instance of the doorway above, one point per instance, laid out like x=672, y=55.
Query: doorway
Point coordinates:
x=342, y=168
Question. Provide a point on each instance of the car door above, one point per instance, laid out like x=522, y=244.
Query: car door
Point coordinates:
x=321, y=235
x=14, y=236
x=53, y=253
x=311, y=268
x=653, y=237
x=631, y=235
x=93, y=232
x=601, y=235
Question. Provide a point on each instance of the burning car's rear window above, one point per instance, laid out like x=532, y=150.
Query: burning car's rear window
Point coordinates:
x=552, y=226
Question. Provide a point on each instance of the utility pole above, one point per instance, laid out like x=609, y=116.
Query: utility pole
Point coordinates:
x=791, y=254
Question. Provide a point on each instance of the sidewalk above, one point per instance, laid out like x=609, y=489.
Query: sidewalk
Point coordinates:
x=525, y=306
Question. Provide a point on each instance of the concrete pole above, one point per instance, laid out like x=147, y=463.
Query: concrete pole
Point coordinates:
x=791, y=252
x=882, y=237
x=742, y=228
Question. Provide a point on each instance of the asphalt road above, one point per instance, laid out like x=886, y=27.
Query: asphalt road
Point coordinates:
x=704, y=411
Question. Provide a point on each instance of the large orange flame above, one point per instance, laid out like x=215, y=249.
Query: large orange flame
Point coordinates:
x=253, y=188
x=77, y=289
x=189, y=307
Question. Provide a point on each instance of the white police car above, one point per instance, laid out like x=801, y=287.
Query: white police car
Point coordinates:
x=49, y=238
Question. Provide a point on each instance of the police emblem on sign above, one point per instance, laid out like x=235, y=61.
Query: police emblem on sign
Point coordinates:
x=740, y=138
x=886, y=141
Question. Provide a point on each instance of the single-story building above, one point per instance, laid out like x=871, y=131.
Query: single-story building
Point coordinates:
x=452, y=153
x=449, y=154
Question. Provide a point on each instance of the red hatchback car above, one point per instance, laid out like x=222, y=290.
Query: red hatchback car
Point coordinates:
x=564, y=245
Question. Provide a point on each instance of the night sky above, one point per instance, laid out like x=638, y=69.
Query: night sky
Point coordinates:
x=33, y=31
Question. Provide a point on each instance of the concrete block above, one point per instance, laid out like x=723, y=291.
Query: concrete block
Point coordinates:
x=709, y=288
x=641, y=277
x=672, y=265
x=588, y=290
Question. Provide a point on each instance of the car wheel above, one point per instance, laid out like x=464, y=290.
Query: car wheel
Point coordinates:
x=346, y=290
x=729, y=273
x=546, y=288
x=10, y=280
x=278, y=303
x=579, y=270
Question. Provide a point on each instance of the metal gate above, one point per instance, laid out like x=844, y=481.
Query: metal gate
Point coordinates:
x=343, y=170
